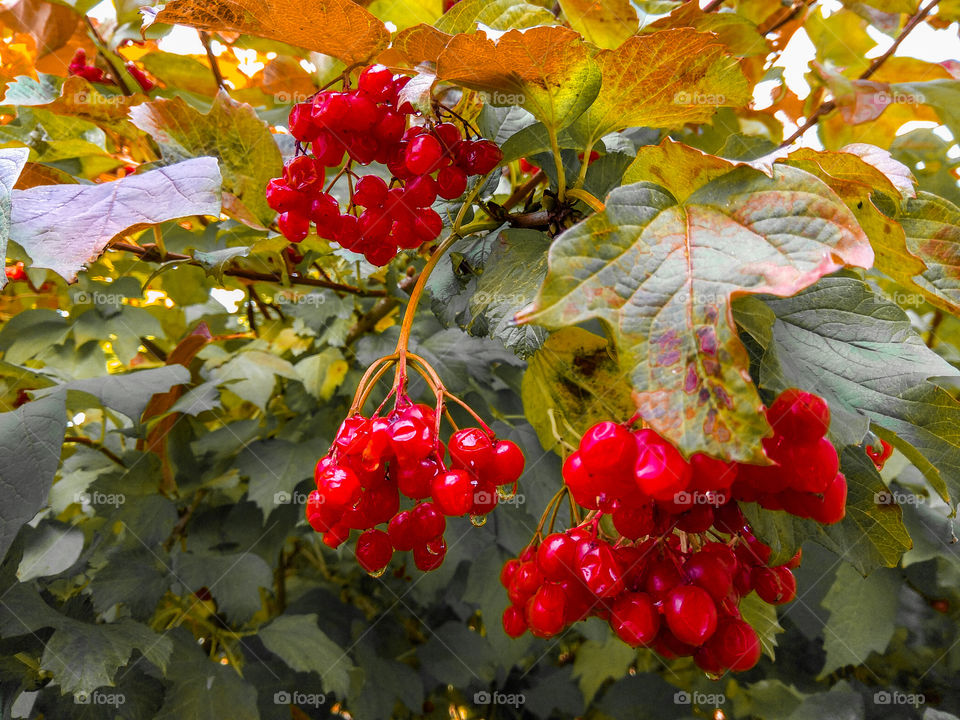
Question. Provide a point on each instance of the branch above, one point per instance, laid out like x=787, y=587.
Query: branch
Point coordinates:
x=181, y=527
x=712, y=5
x=829, y=105
x=214, y=63
x=80, y=440
x=150, y=253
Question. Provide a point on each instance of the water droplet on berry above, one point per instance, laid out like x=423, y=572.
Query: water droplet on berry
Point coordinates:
x=478, y=520
x=378, y=573
x=507, y=492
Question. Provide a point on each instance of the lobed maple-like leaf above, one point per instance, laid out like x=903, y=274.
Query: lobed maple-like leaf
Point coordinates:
x=660, y=274
x=546, y=70
x=340, y=28
x=663, y=79
x=64, y=226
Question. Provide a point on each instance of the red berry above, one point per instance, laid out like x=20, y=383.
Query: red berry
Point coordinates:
x=508, y=570
x=709, y=572
x=662, y=577
x=506, y=467
x=339, y=486
x=283, y=198
x=390, y=128
x=376, y=81
x=661, y=472
x=374, y=550
x=580, y=481
x=420, y=192
x=471, y=448
x=608, y=447
x=546, y=610
x=799, y=415
x=428, y=225
x=735, y=644
x=524, y=583
x=412, y=439
x=423, y=154
x=452, y=491
x=635, y=619
x=328, y=148
x=482, y=157
x=448, y=134
x=775, y=586
x=429, y=523
x=599, y=569
x=514, y=624
x=451, y=182
x=293, y=226
x=634, y=522
x=303, y=173
x=691, y=614
x=430, y=556
x=556, y=556
x=832, y=508
x=881, y=454
x=301, y=123
x=370, y=192
x=414, y=480
x=402, y=531
x=325, y=212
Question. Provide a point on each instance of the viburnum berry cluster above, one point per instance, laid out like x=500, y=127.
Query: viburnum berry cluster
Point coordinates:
x=674, y=558
x=78, y=66
x=427, y=160
x=393, y=471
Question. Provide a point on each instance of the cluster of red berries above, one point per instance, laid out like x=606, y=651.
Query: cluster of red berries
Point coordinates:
x=680, y=601
x=374, y=461
x=880, y=455
x=78, y=66
x=15, y=272
x=369, y=124
x=806, y=480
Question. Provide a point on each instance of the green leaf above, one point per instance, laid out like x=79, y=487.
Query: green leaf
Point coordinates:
x=217, y=261
x=231, y=132
x=49, y=550
x=302, y=645
x=84, y=657
x=861, y=354
x=595, y=663
x=662, y=79
x=546, y=70
x=660, y=275
x=131, y=578
x=841, y=703
x=275, y=467
x=30, y=439
x=498, y=14
x=64, y=226
x=932, y=227
x=129, y=393
x=872, y=534
x=234, y=580
x=862, y=615
x=571, y=383
x=763, y=618
x=202, y=688
x=942, y=95
x=254, y=374
x=12, y=161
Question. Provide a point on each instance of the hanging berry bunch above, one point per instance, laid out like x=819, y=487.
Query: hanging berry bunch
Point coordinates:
x=368, y=124
x=670, y=565
x=393, y=471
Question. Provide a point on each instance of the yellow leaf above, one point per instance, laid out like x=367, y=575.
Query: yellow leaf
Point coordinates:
x=605, y=23
x=732, y=29
x=663, y=79
x=679, y=168
x=546, y=70
x=339, y=28
x=404, y=13
x=499, y=15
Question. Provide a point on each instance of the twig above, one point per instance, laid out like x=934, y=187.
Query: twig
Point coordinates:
x=105, y=51
x=214, y=63
x=80, y=440
x=180, y=528
x=521, y=192
x=829, y=105
x=713, y=5
x=150, y=254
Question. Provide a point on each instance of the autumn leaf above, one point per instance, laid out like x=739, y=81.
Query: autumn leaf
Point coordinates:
x=677, y=167
x=464, y=16
x=663, y=79
x=546, y=70
x=339, y=28
x=420, y=43
x=605, y=24
x=232, y=132
x=932, y=227
x=660, y=275
x=64, y=226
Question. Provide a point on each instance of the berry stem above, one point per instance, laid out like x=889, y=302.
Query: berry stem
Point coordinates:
x=582, y=175
x=466, y=407
x=561, y=177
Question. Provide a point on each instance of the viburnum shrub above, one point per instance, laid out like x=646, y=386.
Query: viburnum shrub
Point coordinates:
x=670, y=568
x=427, y=159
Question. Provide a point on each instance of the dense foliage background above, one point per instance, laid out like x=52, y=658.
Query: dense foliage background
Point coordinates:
x=170, y=374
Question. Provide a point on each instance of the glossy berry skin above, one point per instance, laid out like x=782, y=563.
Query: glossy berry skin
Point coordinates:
x=556, y=556
x=598, y=568
x=430, y=556
x=691, y=614
x=402, y=531
x=339, y=486
x=451, y=182
x=546, y=610
x=608, y=447
x=799, y=415
x=471, y=448
x=880, y=455
x=374, y=550
x=429, y=522
x=775, y=586
x=507, y=462
x=735, y=645
x=482, y=157
x=452, y=491
x=514, y=624
x=423, y=154
x=710, y=573
x=661, y=472
x=635, y=619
